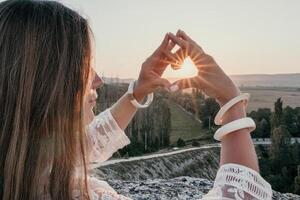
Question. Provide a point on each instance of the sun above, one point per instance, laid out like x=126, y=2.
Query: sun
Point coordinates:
x=188, y=69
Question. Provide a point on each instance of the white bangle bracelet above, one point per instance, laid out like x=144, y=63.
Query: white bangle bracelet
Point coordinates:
x=235, y=125
x=134, y=102
x=243, y=97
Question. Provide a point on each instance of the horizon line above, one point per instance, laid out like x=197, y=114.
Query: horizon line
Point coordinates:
x=251, y=74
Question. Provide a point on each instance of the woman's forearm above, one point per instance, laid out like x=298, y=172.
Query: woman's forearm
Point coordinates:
x=123, y=111
x=237, y=147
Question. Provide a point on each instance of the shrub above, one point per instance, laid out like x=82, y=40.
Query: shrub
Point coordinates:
x=180, y=142
x=195, y=144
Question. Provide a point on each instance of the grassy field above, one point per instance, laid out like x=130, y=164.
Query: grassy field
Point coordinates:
x=266, y=97
x=184, y=125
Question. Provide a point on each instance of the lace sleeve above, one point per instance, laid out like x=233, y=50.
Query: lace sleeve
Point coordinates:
x=239, y=182
x=100, y=190
x=105, y=137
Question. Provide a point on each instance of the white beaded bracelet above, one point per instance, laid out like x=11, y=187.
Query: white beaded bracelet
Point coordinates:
x=243, y=97
x=134, y=102
x=235, y=125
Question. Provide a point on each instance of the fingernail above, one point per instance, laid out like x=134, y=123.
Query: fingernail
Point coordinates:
x=174, y=88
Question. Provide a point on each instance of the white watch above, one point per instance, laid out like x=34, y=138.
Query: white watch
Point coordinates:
x=133, y=101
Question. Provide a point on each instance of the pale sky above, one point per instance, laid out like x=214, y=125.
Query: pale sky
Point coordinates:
x=245, y=37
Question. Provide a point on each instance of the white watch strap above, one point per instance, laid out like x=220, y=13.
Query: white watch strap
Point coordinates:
x=235, y=125
x=243, y=97
x=134, y=102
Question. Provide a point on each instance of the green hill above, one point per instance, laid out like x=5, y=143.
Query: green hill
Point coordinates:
x=184, y=125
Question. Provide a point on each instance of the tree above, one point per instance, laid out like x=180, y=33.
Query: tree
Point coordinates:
x=297, y=181
x=262, y=121
x=156, y=143
x=261, y=113
x=265, y=128
x=290, y=119
x=149, y=129
x=295, y=151
x=279, y=165
x=277, y=115
x=279, y=150
x=208, y=111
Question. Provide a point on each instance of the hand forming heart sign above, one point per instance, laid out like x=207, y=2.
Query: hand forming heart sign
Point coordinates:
x=210, y=78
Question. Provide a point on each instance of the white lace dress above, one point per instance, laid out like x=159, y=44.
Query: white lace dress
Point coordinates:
x=232, y=181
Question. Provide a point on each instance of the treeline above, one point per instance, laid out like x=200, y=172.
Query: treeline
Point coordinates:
x=279, y=162
x=149, y=129
x=264, y=118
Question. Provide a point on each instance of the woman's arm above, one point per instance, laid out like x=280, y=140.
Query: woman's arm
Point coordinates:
x=106, y=132
x=123, y=111
x=149, y=79
x=237, y=147
x=237, y=177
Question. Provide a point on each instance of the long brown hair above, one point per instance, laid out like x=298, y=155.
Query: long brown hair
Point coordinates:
x=44, y=67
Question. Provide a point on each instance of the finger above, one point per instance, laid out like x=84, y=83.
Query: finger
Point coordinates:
x=179, y=61
x=167, y=61
x=181, y=54
x=194, y=55
x=171, y=45
x=177, y=40
x=165, y=42
x=173, y=60
x=194, y=82
x=210, y=68
x=177, y=65
x=183, y=35
x=171, y=56
x=161, y=64
x=204, y=60
x=162, y=82
x=162, y=46
x=163, y=61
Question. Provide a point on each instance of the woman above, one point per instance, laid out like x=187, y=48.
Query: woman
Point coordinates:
x=47, y=92
x=48, y=133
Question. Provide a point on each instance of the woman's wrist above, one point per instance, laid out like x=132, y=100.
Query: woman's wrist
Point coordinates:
x=138, y=95
x=237, y=111
x=230, y=94
x=138, y=92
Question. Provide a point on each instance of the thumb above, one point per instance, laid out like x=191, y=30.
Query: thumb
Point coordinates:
x=162, y=82
x=193, y=82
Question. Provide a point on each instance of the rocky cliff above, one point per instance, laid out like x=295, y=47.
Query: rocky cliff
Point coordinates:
x=185, y=175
